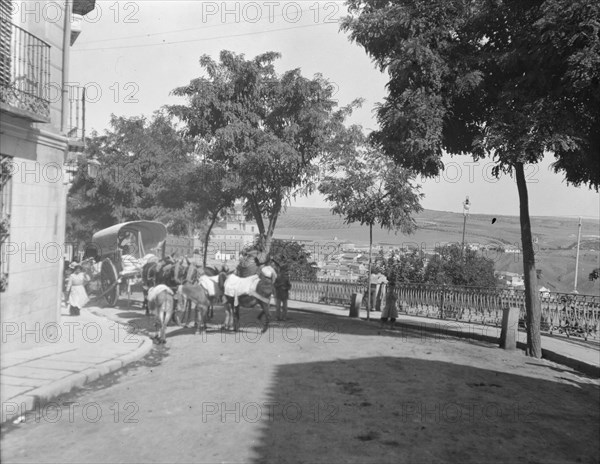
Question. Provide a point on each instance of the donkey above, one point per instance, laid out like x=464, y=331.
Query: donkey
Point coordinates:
x=161, y=303
x=200, y=296
x=155, y=273
x=249, y=292
x=209, y=278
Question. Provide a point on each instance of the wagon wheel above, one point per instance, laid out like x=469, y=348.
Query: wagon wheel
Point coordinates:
x=109, y=277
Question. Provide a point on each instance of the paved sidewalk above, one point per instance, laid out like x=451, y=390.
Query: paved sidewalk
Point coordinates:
x=84, y=348
x=569, y=352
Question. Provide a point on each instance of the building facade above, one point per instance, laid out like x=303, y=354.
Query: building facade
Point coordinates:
x=230, y=237
x=34, y=146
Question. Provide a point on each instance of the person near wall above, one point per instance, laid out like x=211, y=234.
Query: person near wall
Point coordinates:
x=76, y=297
x=390, y=309
x=378, y=283
x=282, y=293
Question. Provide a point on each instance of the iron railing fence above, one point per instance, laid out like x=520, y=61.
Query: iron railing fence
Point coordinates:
x=24, y=71
x=326, y=292
x=571, y=314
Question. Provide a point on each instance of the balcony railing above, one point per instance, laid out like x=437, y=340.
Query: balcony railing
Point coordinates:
x=76, y=126
x=561, y=313
x=335, y=293
x=24, y=73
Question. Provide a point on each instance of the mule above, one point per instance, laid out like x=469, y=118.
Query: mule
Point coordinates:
x=199, y=295
x=161, y=303
x=167, y=271
x=249, y=292
x=153, y=274
x=209, y=278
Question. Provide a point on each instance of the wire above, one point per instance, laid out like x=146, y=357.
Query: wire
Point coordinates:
x=175, y=31
x=199, y=40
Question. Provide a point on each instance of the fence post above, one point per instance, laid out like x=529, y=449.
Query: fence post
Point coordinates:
x=442, y=301
x=355, y=302
x=510, y=328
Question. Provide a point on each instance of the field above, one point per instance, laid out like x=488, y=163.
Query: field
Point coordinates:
x=555, y=248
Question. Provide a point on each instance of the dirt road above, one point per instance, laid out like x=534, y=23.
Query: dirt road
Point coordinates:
x=318, y=388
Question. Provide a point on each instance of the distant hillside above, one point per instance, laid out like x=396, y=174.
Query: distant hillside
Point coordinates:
x=555, y=248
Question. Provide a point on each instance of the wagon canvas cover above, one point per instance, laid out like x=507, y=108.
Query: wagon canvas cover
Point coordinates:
x=152, y=234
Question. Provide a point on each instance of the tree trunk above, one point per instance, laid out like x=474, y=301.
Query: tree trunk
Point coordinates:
x=271, y=230
x=369, y=273
x=254, y=208
x=207, y=238
x=532, y=298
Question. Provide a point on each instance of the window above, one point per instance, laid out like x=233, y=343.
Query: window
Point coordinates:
x=5, y=40
x=5, y=202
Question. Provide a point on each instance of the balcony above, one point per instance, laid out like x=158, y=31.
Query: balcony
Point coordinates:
x=75, y=129
x=76, y=122
x=24, y=73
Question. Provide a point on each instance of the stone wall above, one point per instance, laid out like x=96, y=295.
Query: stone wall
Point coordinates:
x=31, y=303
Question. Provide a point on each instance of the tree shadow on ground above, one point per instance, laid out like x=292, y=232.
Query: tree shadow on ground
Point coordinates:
x=399, y=409
x=323, y=323
x=329, y=327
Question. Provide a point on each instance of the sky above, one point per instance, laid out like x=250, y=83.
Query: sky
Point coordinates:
x=132, y=54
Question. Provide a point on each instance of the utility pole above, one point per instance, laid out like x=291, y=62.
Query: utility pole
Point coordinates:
x=577, y=257
x=369, y=275
x=466, y=206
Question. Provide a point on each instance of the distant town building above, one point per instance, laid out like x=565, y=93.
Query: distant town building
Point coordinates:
x=230, y=237
x=511, y=279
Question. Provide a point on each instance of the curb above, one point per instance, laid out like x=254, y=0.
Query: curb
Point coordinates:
x=581, y=366
x=43, y=395
x=576, y=364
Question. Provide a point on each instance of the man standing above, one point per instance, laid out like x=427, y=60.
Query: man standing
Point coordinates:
x=378, y=282
x=282, y=292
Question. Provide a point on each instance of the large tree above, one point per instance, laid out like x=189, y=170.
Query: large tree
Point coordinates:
x=366, y=187
x=138, y=157
x=266, y=130
x=508, y=79
x=451, y=265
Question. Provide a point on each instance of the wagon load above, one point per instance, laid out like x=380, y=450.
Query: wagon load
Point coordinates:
x=122, y=250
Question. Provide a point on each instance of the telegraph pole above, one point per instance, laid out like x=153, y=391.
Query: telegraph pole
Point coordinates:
x=577, y=257
x=466, y=206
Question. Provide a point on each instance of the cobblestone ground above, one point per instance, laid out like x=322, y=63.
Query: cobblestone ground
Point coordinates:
x=317, y=388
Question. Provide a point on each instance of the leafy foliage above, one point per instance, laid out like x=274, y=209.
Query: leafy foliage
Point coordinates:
x=370, y=189
x=265, y=130
x=513, y=78
x=402, y=267
x=447, y=267
x=139, y=161
x=295, y=258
